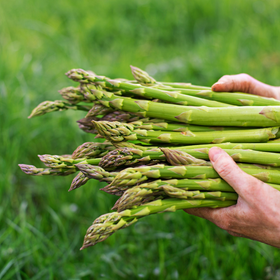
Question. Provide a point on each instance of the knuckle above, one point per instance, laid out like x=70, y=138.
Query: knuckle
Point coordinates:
x=244, y=76
x=224, y=168
x=245, y=82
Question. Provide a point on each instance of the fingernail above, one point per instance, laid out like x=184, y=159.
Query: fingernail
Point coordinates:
x=216, y=153
x=214, y=87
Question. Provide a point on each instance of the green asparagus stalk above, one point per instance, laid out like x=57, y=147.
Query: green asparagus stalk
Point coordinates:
x=177, y=156
x=249, y=116
x=186, y=155
x=82, y=76
x=138, y=195
x=55, y=161
x=133, y=176
x=234, y=98
x=181, y=156
x=33, y=170
x=186, y=184
x=211, y=185
x=57, y=105
x=185, y=86
x=116, y=132
x=129, y=156
x=144, y=78
x=149, y=124
x=107, y=224
x=183, y=194
x=126, y=117
x=273, y=146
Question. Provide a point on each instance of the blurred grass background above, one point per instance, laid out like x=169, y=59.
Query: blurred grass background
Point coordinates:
x=41, y=224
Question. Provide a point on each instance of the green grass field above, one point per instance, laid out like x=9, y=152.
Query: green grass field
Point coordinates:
x=41, y=224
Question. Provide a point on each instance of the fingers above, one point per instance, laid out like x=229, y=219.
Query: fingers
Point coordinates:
x=242, y=183
x=240, y=82
x=222, y=217
x=247, y=84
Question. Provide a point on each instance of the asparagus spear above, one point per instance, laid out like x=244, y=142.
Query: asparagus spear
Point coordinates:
x=33, y=170
x=217, y=184
x=265, y=147
x=177, y=156
x=249, y=116
x=183, y=194
x=55, y=161
x=57, y=105
x=139, y=195
x=107, y=224
x=82, y=76
x=185, y=156
x=149, y=124
x=133, y=176
x=128, y=156
x=144, y=78
x=116, y=132
x=234, y=98
x=127, y=117
x=184, y=86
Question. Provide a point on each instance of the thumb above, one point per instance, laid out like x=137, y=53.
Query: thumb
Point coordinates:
x=231, y=173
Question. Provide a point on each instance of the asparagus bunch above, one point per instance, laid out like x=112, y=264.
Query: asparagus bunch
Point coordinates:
x=158, y=135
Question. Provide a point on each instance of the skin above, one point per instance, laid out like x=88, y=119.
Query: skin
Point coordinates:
x=257, y=213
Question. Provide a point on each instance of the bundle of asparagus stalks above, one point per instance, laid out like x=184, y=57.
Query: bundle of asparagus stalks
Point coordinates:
x=156, y=141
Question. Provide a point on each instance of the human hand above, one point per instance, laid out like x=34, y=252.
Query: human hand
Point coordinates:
x=257, y=212
x=247, y=84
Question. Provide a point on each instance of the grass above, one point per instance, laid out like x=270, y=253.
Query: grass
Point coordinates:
x=41, y=224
